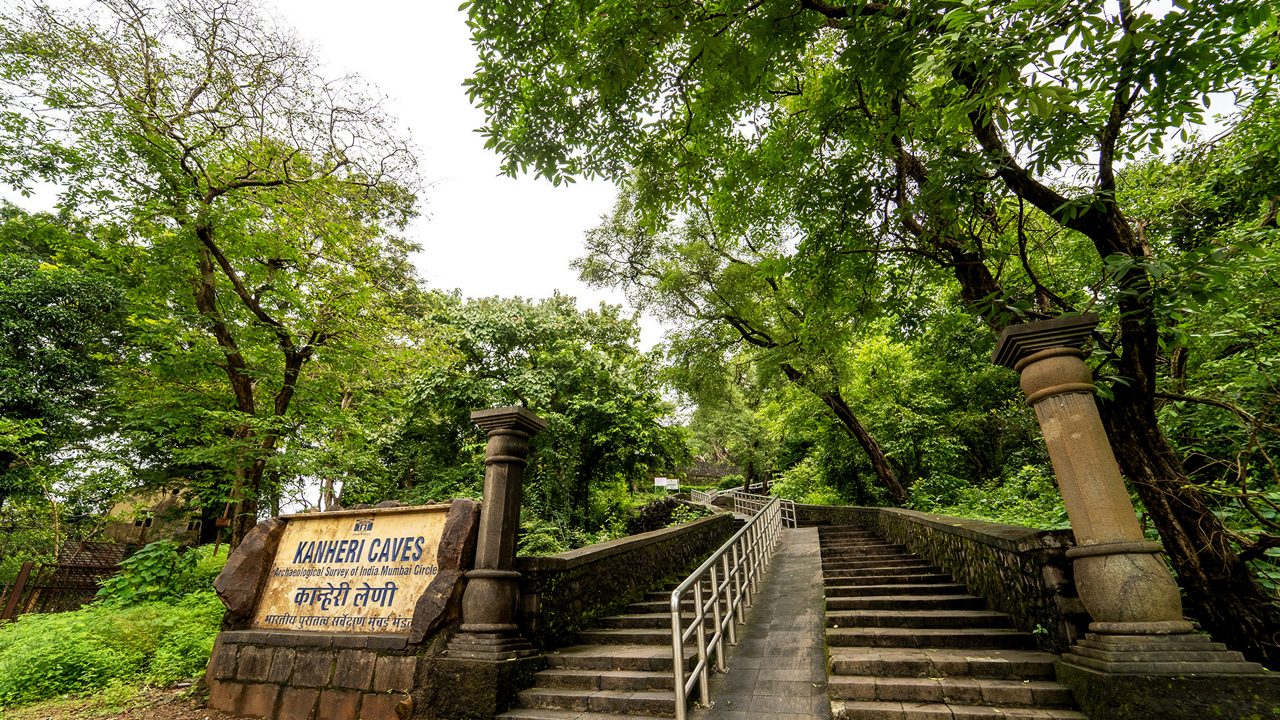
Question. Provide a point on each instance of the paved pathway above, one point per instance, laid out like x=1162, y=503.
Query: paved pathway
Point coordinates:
x=777, y=669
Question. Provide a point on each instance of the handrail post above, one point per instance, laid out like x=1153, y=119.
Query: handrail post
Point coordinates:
x=700, y=617
x=677, y=655
x=715, y=617
x=728, y=600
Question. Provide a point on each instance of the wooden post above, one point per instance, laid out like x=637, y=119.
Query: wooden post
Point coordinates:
x=18, y=586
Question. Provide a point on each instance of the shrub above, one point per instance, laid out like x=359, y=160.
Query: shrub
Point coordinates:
x=805, y=483
x=158, y=571
x=46, y=655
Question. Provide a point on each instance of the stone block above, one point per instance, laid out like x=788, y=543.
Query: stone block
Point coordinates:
x=472, y=689
x=312, y=668
x=1133, y=696
x=259, y=700
x=222, y=664
x=354, y=669
x=384, y=706
x=225, y=695
x=439, y=605
x=241, y=579
x=282, y=665
x=339, y=705
x=394, y=674
x=255, y=663
x=298, y=704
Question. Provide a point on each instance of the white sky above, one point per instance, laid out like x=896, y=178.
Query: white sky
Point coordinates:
x=482, y=233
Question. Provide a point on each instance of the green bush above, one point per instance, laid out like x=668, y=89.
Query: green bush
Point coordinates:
x=805, y=483
x=158, y=571
x=46, y=655
x=1028, y=498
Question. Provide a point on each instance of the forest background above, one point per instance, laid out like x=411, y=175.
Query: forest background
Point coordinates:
x=834, y=209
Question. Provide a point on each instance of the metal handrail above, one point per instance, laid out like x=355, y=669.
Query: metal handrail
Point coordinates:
x=700, y=496
x=745, y=503
x=722, y=589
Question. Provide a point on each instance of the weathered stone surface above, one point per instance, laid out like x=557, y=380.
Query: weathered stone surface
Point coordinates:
x=354, y=669
x=388, y=504
x=282, y=665
x=255, y=663
x=439, y=606
x=246, y=570
x=1108, y=696
x=225, y=696
x=339, y=705
x=298, y=704
x=259, y=700
x=394, y=674
x=313, y=669
x=381, y=706
x=460, y=689
x=222, y=664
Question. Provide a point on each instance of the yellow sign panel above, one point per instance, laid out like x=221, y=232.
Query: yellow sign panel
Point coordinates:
x=352, y=571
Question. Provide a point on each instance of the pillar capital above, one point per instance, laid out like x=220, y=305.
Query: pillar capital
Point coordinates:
x=1024, y=339
x=508, y=418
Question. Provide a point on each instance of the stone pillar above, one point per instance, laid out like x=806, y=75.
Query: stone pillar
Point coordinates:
x=488, y=630
x=1141, y=658
x=1122, y=581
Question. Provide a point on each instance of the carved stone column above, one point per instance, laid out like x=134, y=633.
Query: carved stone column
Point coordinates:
x=488, y=630
x=1122, y=581
x=1141, y=658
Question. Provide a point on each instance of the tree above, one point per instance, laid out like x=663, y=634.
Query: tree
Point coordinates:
x=912, y=131
x=61, y=330
x=722, y=284
x=263, y=197
x=579, y=370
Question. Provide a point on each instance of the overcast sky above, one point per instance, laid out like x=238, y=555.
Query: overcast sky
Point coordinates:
x=482, y=233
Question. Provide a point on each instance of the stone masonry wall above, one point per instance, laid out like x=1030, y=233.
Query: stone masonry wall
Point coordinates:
x=312, y=676
x=1021, y=571
x=561, y=594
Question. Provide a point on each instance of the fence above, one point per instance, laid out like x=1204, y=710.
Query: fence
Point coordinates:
x=722, y=588
x=750, y=504
x=63, y=585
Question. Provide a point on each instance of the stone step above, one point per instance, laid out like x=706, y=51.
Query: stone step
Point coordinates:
x=649, y=620
x=882, y=637
x=1162, y=656
x=622, y=680
x=907, y=602
x=654, y=606
x=879, y=571
x=875, y=562
x=964, y=691
x=917, y=619
x=543, y=714
x=625, y=636
x=894, y=710
x=863, y=549
x=936, y=663
x=642, y=702
x=933, y=588
x=618, y=657
x=914, y=579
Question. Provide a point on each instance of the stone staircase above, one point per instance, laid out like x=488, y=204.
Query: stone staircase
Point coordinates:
x=622, y=668
x=908, y=643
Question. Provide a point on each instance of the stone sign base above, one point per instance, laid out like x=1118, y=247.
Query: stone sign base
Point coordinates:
x=312, y=676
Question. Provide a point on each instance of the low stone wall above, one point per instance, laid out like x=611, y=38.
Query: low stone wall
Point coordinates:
x=1021, y=571
x=313, y=676
x=561, y=594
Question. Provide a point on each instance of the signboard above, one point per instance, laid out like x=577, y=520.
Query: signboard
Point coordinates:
x=357, y=571
x=668, y=483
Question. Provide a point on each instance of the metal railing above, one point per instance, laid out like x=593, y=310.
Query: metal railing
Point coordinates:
x=699, y=496
x=749, y=504
x=722, y=589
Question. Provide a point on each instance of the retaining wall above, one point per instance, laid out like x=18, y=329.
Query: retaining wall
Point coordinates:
x=561, y=594
x=1021, y=571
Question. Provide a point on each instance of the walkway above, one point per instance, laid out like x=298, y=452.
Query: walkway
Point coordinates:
x=777, y=669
